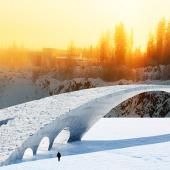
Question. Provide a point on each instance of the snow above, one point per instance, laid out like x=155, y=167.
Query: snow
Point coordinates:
x=19, y=86
x=114, y=143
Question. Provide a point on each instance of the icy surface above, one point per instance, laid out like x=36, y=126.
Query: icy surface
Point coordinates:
x=30, y=122
x=121, y=144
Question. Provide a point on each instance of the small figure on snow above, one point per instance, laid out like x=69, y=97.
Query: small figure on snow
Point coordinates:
x=58, y=156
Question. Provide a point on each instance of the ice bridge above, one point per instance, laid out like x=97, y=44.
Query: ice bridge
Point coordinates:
x=23, y=126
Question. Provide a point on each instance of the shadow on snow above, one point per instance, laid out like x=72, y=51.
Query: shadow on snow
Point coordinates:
x=90, y=146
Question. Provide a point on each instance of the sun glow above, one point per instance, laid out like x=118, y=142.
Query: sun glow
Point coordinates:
x=54, y=23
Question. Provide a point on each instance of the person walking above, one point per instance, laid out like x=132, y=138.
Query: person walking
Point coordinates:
x=58, y=156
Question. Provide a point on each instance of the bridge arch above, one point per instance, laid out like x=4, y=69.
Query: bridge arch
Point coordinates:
x=43, y=145
x=93, y=111
x=63, y=136
x=28, y=153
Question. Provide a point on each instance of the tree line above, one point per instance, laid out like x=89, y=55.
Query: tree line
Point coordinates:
x=118, y=48
x=115, y=53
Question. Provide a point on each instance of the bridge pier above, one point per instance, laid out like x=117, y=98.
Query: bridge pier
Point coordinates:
x=51, y=144
x=34, y=149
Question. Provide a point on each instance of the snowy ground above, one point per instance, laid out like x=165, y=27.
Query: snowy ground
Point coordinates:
x=121, y=144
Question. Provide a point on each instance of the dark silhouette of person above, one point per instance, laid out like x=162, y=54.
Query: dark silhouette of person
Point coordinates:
x=58, y=156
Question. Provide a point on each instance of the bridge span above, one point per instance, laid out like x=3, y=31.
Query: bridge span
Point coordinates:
x=28, y=123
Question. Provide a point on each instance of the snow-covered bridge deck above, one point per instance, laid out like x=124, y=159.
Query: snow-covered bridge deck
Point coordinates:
x=26, y=124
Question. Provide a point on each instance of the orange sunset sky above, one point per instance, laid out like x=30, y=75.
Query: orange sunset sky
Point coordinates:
x=54, y=23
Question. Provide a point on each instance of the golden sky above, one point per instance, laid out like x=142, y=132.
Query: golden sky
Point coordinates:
x=54, y=23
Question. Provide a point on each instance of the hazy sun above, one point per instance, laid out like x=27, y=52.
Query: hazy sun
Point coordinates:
x=54, y=23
